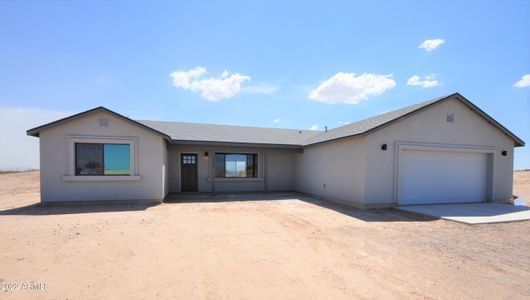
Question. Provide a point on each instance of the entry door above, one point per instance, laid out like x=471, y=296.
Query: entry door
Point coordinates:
x=188, y=172
x=431, y=177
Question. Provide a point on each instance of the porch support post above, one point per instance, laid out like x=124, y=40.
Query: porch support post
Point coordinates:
x=265, y=183
x=212, y=162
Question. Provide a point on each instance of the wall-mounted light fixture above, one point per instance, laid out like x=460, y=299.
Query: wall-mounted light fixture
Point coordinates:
x=383, y=147
x=504, y=153
x=206, y=154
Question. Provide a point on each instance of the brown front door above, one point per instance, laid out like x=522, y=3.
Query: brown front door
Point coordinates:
x=188, y=172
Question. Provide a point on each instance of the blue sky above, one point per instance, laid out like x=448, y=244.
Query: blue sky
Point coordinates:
x=285, y=62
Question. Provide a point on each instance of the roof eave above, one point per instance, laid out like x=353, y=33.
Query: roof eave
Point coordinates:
x=236, y=144
x=517, y=141
x=36, y=131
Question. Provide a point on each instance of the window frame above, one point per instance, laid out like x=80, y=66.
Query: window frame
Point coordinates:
x=102, y=158
x=70, y=172
x=255, y=169
x=184, y=159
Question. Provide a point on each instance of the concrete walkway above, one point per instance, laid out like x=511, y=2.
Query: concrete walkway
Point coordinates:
x=472, y=213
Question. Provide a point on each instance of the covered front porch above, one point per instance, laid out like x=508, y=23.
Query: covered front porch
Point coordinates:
x=225, y=168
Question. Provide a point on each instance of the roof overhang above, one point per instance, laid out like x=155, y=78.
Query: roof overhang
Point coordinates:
x=286, y=147
x=518, y=142
x=36, y=131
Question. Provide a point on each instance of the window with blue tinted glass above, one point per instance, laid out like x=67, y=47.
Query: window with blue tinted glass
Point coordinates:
x=116, y=159
x=102, y=159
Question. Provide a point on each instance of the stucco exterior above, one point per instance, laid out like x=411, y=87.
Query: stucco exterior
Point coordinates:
x=333, y=170
x=165, y=168
x=275, y=170
x=358, y=172
x=55, y=162
x=353, y=170
x=429, y=128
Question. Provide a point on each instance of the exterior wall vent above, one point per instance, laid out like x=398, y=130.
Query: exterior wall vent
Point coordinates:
x=450, y=118
x=103, y=122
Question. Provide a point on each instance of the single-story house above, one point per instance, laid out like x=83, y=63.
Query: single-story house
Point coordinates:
x=445, y=150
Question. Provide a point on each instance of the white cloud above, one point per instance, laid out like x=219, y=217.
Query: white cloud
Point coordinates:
x=430, y=45
x=19, y=151
x=260, y=89
x=350, y=89
x=523, y=82
x=314, y=127
x=214, y=89
x=276, y=121
x=344, y=122
x=428, y=81
x=181, y=79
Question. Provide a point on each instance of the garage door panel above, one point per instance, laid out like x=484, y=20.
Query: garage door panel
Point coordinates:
x=427, y=177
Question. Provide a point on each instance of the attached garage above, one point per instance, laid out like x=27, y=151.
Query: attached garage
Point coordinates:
x=442, y=176
x=445, y=150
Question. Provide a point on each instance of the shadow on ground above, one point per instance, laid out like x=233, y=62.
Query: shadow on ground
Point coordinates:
x=372, y=215
x=37, y=209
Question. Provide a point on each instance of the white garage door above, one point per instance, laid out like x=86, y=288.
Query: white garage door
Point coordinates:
x=428, y=177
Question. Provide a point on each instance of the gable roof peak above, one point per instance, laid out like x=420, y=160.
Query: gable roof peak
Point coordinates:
x=36, y=131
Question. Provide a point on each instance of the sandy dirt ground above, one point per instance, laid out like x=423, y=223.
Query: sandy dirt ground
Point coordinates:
x=298, y=248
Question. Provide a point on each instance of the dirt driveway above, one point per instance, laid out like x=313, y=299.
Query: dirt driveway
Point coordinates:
x=287, y=248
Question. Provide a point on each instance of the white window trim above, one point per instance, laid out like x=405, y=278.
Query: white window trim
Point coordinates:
x=70, y=157
x=102, y=178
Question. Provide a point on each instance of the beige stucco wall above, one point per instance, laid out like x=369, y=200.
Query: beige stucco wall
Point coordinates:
x=277, y=176
x=280, y=171
x=54, y=162
x=165, y=167
x=352, y=170
x=430, y=126
x=333, y=170
x=356, y=171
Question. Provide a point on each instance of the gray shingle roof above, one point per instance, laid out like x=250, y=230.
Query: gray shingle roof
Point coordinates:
x=241, y=134
x=231, y=134
x=207, y=133
x=369, y=124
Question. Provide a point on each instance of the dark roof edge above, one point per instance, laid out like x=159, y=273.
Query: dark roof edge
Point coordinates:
x=237, y=144
x=387, y=123
x=35, y=131
x=518, y=142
